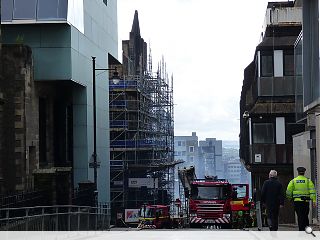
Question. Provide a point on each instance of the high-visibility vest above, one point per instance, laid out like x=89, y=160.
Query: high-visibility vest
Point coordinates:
x=301, y=189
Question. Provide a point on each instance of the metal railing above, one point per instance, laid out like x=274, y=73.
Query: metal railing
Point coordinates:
x=22, y=199
x=55, y=218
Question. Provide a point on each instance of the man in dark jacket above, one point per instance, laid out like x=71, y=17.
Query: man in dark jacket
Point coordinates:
x=272, y=197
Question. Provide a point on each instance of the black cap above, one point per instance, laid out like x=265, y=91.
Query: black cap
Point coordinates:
x=301, y=169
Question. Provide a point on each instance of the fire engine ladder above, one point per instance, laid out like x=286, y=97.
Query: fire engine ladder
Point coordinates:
x=186, y=176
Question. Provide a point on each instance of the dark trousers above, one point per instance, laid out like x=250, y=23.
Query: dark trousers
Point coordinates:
x=302, y=210
x=273, y=218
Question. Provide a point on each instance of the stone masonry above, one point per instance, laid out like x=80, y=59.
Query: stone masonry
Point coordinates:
x=18, y=120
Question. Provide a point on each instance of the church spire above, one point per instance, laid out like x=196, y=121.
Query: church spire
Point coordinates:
x=135, y=25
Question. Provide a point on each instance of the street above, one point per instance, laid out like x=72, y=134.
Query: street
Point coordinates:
x=155, y=235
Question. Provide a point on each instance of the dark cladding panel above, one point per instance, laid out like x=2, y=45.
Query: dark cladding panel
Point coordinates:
x=6, y=10
x=52, y=9
x=23, y=9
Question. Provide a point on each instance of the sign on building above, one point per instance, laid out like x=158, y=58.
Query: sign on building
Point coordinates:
x=143, y=182
x=117, y=183
x=257, y=158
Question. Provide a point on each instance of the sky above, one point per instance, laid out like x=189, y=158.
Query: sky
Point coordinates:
x=206, y=45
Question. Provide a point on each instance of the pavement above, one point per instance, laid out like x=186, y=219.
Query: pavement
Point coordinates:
x=286, y=227
x=282, y=227
x=157, y=235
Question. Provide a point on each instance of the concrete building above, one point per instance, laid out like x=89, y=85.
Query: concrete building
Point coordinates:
x=186, y=149
x=267, y=104
x=233, y=171
x=63, y=35
x=210, y=158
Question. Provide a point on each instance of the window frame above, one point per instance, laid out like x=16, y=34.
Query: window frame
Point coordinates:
x=16, y=11
x=191, y=147
x=288, y=52
x=267, y=53
x=263, y=123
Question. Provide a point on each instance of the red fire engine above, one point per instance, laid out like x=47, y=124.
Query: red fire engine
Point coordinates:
x=215, y=202
x=154, y=216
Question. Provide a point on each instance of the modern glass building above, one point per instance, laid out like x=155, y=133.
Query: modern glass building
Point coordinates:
x=63, y=35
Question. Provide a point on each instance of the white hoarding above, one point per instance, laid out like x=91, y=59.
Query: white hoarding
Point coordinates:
x=131, y=215
x=143, y=182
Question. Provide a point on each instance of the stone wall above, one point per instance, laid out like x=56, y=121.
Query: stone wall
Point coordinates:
x=18, y=119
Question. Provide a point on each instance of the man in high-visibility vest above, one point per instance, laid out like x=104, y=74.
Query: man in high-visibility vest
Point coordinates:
x=301, y=190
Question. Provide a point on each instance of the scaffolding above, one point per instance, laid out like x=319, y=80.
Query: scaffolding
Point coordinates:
x=141, y=138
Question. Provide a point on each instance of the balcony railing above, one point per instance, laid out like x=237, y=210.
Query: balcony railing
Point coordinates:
x=276, y=86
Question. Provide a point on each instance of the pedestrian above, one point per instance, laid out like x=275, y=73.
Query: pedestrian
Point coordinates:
x=272, y=197
x=301, y=190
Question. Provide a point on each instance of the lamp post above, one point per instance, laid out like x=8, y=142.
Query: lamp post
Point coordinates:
x=95, y=164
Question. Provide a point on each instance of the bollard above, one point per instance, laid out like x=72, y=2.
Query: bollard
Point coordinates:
x=57, y=220
x=7, y=222
x=88, y=219
x=78, y=218
x=69, y=218
x=42, y=219
x=96, y=227
x=258, y=214
x=27, y=219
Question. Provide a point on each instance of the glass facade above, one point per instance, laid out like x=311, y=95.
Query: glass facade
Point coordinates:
x=40, y=11
x=33, y=10
x=24, y=9
x=52, y=9
x=310, y=49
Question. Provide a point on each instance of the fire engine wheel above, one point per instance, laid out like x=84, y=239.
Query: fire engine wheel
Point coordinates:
x=226, y=226
x=195, y=225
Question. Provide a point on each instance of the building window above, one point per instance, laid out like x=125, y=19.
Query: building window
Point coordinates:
x=191, y=149
x=288, y=63
x=266, y=64
x=179, y=143
x=6, y=10
x=24, y=9
x=183, y=153
x=263, y=133
x=52, y=9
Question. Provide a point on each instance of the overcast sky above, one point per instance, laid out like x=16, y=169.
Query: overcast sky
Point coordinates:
x=206, y=45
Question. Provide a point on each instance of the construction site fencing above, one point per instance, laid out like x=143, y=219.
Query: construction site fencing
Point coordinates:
x=55, y=218
x=123, y=84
